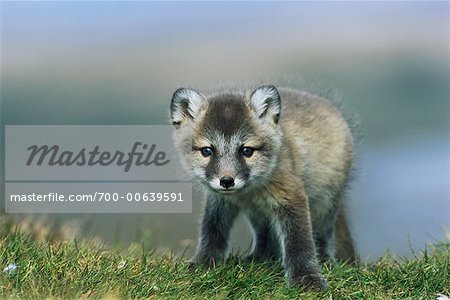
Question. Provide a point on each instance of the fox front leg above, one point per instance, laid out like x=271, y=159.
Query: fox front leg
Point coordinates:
x=293, y=225
x=265, y=240
x=215, y=229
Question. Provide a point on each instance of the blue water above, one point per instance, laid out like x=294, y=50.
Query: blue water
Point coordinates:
x=401, y=199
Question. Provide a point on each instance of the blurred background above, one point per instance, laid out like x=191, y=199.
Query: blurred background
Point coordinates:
x=119, y=62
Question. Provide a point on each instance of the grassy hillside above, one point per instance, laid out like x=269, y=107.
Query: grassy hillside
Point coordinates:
x=80, y=269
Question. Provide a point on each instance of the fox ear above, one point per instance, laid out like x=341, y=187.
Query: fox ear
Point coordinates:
x=185, y=106
x=266, y=102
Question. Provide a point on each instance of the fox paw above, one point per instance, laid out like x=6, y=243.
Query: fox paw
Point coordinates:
x=314, y=282
x=194, y=263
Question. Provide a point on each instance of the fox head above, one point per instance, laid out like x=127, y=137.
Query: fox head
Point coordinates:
x=230, y=141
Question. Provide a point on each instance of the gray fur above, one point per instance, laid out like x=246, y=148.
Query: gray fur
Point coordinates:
x=290, y=190
x=218, y=219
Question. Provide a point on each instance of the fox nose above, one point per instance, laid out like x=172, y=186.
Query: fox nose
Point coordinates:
x=226, y=181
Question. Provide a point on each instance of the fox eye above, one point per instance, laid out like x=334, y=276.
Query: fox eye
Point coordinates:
x=206, y=151
x=247, y=151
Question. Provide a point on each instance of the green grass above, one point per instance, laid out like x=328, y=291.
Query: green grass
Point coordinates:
x=79, y=270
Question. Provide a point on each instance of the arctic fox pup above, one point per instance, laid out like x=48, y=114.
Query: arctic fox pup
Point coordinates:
x=280, y=156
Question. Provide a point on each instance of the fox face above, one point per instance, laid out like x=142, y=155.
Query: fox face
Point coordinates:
x=230, y=142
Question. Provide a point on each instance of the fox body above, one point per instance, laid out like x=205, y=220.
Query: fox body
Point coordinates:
x=280, y=156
